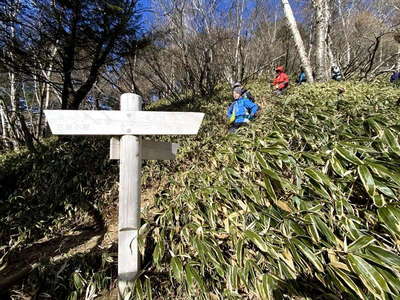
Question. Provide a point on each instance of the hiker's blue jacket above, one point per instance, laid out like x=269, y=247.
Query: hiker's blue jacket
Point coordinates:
x=301, y=78
x=395, y=76
x=242, y=109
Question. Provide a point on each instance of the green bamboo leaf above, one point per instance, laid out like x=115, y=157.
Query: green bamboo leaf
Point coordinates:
x=325, y=230
x=140, y=295
x=391, y=279
x=349, y=282
x=360, y=243
x=319, y=177
x=390, y=217
x=189, y=277
x=339, y=207
x=215, y=256
x=158, y=252
x=388, y=259
x=336, y=281
x=375, y=126
x=352, y=229
x=313, y=157
x=296, y=255
x=261, y=243
x=379, y=200
x=79, y=282
x=367, y=180
x=392, y=141
x=347, y=155
x=371, y=278
x=269, y=285
x=286, y=271
x=257, y=240
x=262, y=161
x=73, y=296
x=232, y=278
x=269, y=188
x=311, y=256
x=383, y=171
x=312, y=229
x=147, y=284
x=239, y=252
x=337, y=166
x=368, y=256
x=384, y=189
x=320, y=190
x=261, y=292
x=177, y=268
x=272, y=174
x=193, y=277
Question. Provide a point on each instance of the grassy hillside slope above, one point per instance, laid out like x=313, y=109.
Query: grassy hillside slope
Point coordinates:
x=303, y=203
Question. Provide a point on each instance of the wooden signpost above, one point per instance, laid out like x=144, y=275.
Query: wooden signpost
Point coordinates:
x=127, y=126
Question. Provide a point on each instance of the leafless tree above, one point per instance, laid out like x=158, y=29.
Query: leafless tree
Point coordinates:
x=298, y=40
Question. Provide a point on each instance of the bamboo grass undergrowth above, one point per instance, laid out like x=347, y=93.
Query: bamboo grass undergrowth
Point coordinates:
x=302, y=203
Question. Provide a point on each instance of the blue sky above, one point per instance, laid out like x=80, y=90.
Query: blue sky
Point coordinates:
x=148, y=17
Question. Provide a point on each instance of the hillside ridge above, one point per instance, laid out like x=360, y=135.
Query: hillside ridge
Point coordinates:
x=295, y=205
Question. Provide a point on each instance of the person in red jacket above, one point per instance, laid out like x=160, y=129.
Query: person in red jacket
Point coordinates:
x=281, y=81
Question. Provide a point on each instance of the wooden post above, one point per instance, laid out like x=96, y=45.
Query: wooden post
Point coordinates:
x=129, y=201
x=127, y=126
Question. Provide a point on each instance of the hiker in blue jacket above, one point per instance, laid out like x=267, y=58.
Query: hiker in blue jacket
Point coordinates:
x=241, y=111
x=395, y=78
x=301, y=78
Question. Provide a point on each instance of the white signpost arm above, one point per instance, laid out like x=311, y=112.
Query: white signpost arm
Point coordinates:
x=129, y=201
x=129, y=123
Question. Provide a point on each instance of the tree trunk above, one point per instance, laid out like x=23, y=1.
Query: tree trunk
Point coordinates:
x=238, y=57
x=305, y=62
x=372, y=57
x=3, y=125
x=398, y=58
x=321, y=18
x=346, y=35
x=330, y=59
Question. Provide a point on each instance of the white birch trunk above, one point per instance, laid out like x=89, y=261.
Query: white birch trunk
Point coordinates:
x=346, y=36
x=3, y=124
x=398, y=58
x=298, y=40
x=311, y=41
x=321, y=37
x=238, y=57
x=329, y=57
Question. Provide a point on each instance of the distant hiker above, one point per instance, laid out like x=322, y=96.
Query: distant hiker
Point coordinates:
x=281, y=81
x=301, y=78
x=241, y=111
x=245, y=93
x=395, y=78
x=336, y=74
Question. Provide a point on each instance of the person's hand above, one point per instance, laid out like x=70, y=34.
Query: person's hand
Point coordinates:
x=276, y=87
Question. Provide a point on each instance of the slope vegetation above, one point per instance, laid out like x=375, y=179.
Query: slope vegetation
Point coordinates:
x=303, y=203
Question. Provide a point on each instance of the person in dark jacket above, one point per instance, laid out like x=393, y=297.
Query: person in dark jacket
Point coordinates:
x=245, y=93
x=336, y=74
x=241, y=111
x=301, y=78
x=395, y=78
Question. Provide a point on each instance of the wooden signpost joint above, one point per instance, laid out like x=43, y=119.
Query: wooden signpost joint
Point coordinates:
x=127, y=126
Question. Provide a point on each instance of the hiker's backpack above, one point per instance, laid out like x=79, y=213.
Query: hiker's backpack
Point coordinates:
x=247, y=94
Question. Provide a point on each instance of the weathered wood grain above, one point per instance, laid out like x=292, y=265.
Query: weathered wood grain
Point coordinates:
x=129, y=200
x=92, y=122
x=151, y=150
